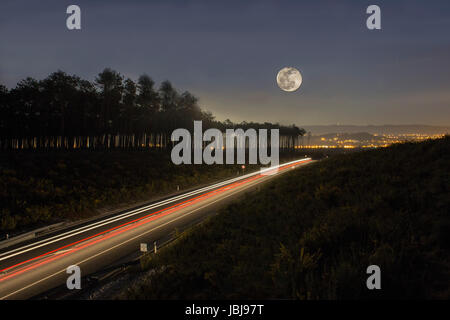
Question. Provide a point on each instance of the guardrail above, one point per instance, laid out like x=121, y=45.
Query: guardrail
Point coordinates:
x=28, y=235
x=108, y=212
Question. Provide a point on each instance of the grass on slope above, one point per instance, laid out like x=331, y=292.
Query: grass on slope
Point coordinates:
x=312, y=233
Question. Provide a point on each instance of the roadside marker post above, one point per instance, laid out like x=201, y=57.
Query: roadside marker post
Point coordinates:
x=144, y=247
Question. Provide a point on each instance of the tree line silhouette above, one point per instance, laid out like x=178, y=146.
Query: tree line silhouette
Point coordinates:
x=64, y=111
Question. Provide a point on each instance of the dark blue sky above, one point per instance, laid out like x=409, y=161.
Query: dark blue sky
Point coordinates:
x=229, y=52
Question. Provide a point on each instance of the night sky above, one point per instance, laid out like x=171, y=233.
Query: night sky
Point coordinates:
x=228, y=54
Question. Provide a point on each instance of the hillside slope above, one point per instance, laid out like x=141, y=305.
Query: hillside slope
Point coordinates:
x=312, y=233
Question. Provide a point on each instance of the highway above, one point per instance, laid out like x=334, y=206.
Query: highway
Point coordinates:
x=36, y=266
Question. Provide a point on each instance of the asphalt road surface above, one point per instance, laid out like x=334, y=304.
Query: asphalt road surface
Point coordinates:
x=36, y=266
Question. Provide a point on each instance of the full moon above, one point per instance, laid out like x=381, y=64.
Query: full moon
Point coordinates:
x=289, y=79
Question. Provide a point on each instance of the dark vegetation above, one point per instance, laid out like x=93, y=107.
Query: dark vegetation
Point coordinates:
x=40, y=188
x=66, y=112
x=312, y=233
